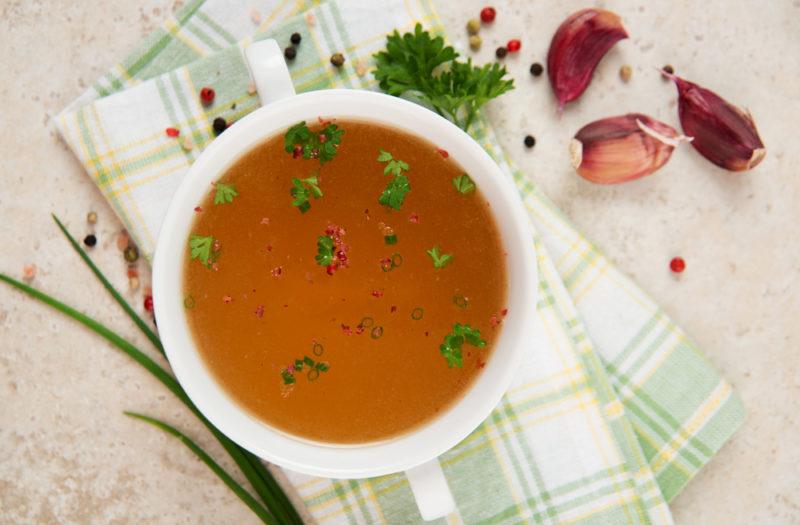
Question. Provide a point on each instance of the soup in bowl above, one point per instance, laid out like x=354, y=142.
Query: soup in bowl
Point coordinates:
x=344, y=282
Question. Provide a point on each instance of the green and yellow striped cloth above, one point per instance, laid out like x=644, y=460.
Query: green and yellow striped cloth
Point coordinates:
x=614, y=409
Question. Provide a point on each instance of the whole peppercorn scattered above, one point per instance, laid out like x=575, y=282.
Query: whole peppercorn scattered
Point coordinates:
x=90, y=240
x=473, y=26
x=337, y=59
x=148, y=303
x=501, y=52
x=488, y=15
x=172, y=132
x=625, y=73
x=529, y=141
x=475, y=42
x=677, y=265
x=295, y=38
x=131, y=253
x=219, y=125
x=513, y=45
x=91, y=217
x=290, y=53
x=537, y=69
x=207, y=96
x=669, y=70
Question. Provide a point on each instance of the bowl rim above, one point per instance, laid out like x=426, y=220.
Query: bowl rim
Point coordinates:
x=407, y=450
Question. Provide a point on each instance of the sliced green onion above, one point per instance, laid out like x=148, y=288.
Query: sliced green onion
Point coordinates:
x=367, y=322
x=460, y=301
x=317, y=349
x=390, y=239
x=397, y=260
x=188, y=302
x=376, y=332
x=416, y=313
x=313, y=374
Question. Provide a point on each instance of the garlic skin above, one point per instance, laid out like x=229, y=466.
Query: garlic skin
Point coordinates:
x=580, y=42
x=622, y=148
x=723, y=133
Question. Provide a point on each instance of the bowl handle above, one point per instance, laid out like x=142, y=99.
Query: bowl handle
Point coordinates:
x=431, y=491
x=269, y=71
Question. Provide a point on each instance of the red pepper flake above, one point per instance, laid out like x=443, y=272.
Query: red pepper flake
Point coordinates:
x=413, y=218
x=359, y=329
x=227, y=299
x=277, y=271
x=494, y=321
x=291, y=369
x=346, y=329
x=504, y=312
x=265, y=221
x=427, y=334
x=148, y=303
x=442, y=152
x=217, y=245
x=259, y=311
x=366, y=212
x=207, y=96
x=378, y=293
x=173, y=132
x=513, y=45
x=323, y=122
x=677, y=265
x=198, y=209
x=133, y=271
x=386, y=264
x=393, y=309
x=481, y=364
x=297, y=152
x=29, y=272
x=269, y=247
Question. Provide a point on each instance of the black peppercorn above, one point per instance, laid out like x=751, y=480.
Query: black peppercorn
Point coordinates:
x=219, y=125
x=501, y=52
x=536, y=69
x=337, y=59
x=90, y=240
x=668, y=69
x=290, y=53
x=295, y=38
x=530, y=141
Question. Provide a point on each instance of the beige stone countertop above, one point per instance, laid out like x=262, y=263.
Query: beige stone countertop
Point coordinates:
x=68, y=455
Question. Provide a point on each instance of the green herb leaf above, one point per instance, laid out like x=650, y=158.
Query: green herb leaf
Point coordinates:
x=322, y=145
x=463, y=183
x=395, y=192
x=451, y=346
x=301, y=190
x=288, y=377
x=423, y=66
x=439, y=260
x=202, y=248
x=384, y=156
x=224, y=193
x=324, y=250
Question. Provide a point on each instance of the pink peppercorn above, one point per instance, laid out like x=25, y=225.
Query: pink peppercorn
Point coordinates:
x=513, y=45
x=207, y=96
x=148, y=303
x=488, y=15
x=677, y=265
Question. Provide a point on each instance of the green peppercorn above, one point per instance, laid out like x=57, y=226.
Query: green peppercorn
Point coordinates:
x=91, y=217
x=220, y=125
x=536, y=69
x=290, y=53
x=337, y=59
x=475, y=42
x=501, y=52
x=90, y=240
x=473, y=26
x=295, y=38
x=131, y=253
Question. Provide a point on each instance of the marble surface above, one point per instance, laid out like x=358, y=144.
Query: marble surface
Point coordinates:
x=70, y=456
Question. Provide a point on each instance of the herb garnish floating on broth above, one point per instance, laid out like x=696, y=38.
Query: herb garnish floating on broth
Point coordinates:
x=302, y=189
x=385, y=372
x=224, y=193
x=395, y=192
x=451, y=347
x=300, y=141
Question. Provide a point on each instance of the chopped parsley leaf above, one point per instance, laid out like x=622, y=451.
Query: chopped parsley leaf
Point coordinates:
x=451, y=346
x=302, y=189
x=324, y=250
x=224, y=193
x=322, y=145
x=439, y=260
x=464, y=183
x=202, y=248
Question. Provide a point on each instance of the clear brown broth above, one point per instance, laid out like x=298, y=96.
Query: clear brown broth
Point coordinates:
x=374, y=389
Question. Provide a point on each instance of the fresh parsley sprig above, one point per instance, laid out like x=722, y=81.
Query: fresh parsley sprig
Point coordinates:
x=322, y=145
x=423, y=66
x=439, y=260
x=202, y=248
x=395, y=192
x=451, y=346
x=302, y=189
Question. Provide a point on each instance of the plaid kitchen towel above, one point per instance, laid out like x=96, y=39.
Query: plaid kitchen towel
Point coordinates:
x=614, y=409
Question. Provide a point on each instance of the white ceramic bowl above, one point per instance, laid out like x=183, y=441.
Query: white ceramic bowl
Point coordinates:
x=346, y=461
